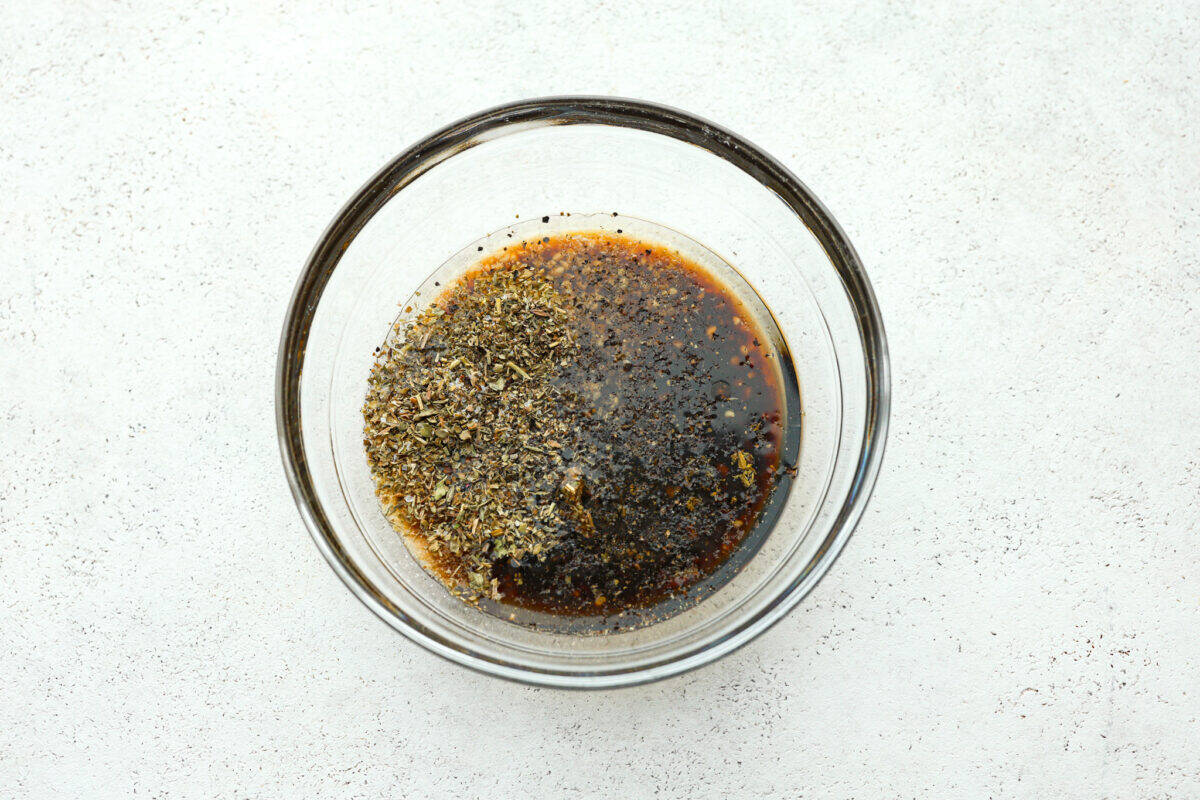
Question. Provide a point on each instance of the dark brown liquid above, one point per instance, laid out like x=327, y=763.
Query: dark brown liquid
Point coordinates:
x=673, y=380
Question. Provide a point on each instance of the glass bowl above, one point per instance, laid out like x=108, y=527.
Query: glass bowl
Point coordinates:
x=587, y=157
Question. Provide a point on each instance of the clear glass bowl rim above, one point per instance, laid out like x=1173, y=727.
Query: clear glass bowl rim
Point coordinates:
x=569, y=110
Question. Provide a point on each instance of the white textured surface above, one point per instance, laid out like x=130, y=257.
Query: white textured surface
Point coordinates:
x=1017, y=614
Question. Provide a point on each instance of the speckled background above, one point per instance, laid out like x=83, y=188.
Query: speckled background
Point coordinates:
x=1017, y=614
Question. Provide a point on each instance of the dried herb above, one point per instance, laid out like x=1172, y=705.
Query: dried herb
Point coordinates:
x=461, y=422
x=745, y=468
